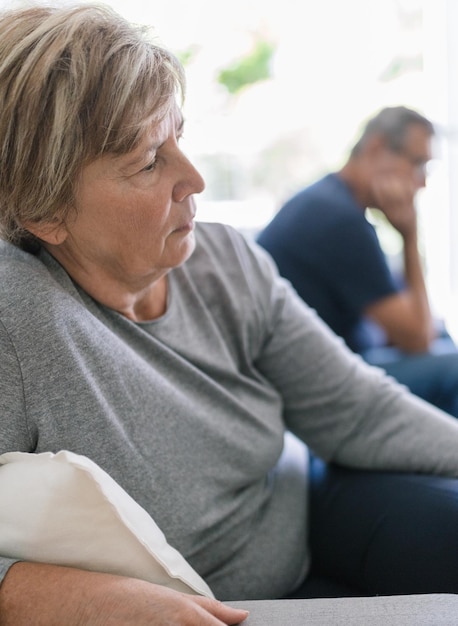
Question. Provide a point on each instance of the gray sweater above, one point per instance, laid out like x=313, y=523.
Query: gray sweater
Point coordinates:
x=188, y=412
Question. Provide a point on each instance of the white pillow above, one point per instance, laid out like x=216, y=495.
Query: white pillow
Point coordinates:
x=64, y=509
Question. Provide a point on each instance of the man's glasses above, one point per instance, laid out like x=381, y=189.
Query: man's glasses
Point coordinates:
x=419, y=163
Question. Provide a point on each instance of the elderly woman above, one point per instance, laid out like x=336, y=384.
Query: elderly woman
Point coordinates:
x=171, y=354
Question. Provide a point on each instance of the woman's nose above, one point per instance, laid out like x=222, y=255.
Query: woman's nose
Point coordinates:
x=190, y=180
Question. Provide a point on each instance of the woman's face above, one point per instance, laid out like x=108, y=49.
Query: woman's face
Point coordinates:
x=135, y=213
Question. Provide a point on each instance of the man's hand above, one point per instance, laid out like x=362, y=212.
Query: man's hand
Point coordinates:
x=394, y=195
x=404, y=316
x=48, y=595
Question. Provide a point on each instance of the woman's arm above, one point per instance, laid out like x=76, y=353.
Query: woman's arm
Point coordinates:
x=49, y=595
x=346, y=410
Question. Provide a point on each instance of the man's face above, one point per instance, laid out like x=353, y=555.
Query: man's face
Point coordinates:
x=411, y=160
x=396, y=175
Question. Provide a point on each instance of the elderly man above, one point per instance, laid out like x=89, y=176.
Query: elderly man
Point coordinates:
x=324, y=244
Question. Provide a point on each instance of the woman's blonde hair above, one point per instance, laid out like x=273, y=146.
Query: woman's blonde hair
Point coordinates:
x=75, y=83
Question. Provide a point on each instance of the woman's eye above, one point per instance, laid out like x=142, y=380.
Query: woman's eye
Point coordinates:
x=150, y=167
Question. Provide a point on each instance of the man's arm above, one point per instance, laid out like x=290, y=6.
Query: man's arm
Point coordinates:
x=405, y=316
x=49, y=595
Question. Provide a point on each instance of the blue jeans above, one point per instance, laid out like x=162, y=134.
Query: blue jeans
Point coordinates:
x=380, y=533
x=433, y=376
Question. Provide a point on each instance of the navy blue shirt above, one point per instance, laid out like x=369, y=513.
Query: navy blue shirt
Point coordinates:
x=324, y=245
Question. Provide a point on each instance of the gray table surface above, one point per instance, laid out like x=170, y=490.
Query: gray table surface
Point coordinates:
x=414, y=610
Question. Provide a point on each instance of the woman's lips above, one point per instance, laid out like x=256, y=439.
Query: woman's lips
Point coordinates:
x=187, y=227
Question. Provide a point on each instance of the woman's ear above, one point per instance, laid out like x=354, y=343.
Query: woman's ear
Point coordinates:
x=53, y=233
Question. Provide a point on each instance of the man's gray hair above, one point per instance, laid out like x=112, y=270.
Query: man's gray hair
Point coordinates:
x=392, y=124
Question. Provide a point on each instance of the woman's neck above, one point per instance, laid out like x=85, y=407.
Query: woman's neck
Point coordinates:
x=139, y=300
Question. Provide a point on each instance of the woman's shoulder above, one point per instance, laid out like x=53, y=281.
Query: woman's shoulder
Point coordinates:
x=27, y=281
x=212, y=234
x=19, y=270
x=222, y=248
x=11, y=254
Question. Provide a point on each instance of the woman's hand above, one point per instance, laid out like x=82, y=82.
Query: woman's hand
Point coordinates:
x=161, y=606
x=49, y=595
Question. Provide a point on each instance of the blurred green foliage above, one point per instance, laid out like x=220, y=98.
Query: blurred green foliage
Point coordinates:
x=187, y=55
x=252, y=68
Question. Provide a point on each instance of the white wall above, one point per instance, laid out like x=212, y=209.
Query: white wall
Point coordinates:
x=440, y=206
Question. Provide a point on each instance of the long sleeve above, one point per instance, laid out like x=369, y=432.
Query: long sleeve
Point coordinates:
x=344, y=409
